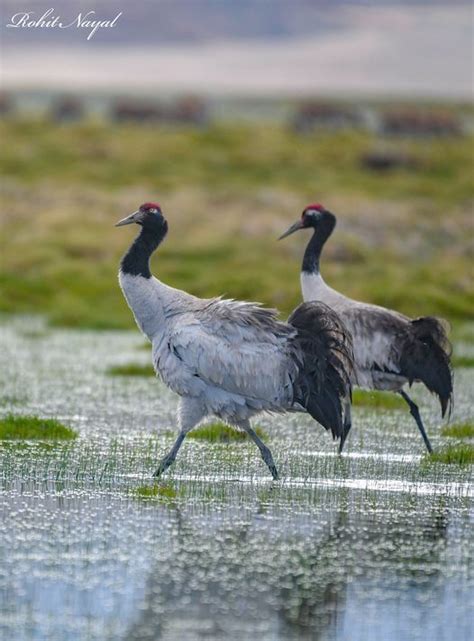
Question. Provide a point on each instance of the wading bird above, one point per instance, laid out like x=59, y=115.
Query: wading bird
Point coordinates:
x=235, y=359
x=390, y=349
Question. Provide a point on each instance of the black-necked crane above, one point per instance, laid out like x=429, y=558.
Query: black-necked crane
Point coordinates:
x=390, y=349
x=235, y=359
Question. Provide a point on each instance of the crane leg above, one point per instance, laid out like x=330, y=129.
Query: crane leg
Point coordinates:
x=167, y=460
x=415, y=412
x=347, y=425
x=264, y=449
x=190, y=412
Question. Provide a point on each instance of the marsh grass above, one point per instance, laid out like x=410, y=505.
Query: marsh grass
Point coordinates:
x=35, y=334
x=131, y=369
x=459, y=360
x=14, y=427
x=221, y=433
x=33, y=447
x=156, y=491
x=459, y=430
x=382, y=400
x=462, y=454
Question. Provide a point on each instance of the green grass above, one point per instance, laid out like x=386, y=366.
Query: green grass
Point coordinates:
x=383, y=400
x=459, y=430
x=219, y=432
x=33, y=428
x=228, y=191
x=156, y=491
x=463, y=361
x=463, y=332
x=131, y=369
x=34, y=334
x=452, y=455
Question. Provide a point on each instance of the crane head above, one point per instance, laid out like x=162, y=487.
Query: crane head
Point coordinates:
x=310, y=217
x=146, y=214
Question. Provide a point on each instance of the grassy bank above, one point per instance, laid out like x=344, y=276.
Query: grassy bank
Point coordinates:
x=33, y=428
x=228, y=192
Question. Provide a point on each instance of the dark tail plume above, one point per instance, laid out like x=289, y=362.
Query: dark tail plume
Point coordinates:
x=323, y=387
x=425, y=357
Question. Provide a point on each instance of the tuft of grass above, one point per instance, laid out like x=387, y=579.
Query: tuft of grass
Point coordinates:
x=452, y=455
x=463, y=361
x=385, y=400
x=33, y=428
x=459, y=430
x=132, y=369
x=156, y=492
x=221, y=433
x=34, y=334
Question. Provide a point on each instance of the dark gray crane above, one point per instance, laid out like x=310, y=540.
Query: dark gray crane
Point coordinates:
x=390, y=349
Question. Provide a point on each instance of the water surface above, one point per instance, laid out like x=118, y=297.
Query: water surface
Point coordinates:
x=373, y=545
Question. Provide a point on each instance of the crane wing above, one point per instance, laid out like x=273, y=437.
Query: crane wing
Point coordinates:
x=374, y=330
x=239, y=348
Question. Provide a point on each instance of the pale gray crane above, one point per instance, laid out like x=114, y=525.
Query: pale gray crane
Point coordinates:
x=235, y=359
x=390, y=349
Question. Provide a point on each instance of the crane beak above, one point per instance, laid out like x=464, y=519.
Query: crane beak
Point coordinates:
x=291, y=230
x=128, y=220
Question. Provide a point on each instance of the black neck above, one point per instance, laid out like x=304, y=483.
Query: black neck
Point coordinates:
x=137, y=259
x=323, y=228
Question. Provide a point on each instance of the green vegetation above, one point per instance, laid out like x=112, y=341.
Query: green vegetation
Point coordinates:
x=383, y=400
x=164, y=492
x=464, y=333
x=463, y=361
x=33, y=428
x=34, y=334
x=452, y=454
x=219, y=432
x=132, y=369
x=228, y=192
x=459, y=430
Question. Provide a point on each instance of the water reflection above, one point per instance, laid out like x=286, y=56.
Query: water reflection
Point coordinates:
x=87, y=567
x=231, y=581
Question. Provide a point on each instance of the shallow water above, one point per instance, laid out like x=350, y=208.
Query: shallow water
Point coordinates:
x=373, y=545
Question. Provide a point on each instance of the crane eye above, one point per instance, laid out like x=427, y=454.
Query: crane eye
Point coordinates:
x=153, y=211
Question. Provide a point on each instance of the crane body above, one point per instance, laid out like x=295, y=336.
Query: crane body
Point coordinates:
x=235, y=359
x=391, y=350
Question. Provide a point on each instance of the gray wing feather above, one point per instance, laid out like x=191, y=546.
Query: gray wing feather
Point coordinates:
x=375, y=331
x=238, y=347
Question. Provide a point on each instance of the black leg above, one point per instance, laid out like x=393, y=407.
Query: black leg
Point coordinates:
x=189, y=414
x=342, y=441
x=264, y=450
x=347, y=426
x=170, y=457
x=414, y=411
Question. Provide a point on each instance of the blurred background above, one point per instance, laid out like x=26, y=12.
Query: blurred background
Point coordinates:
x=235, y=115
